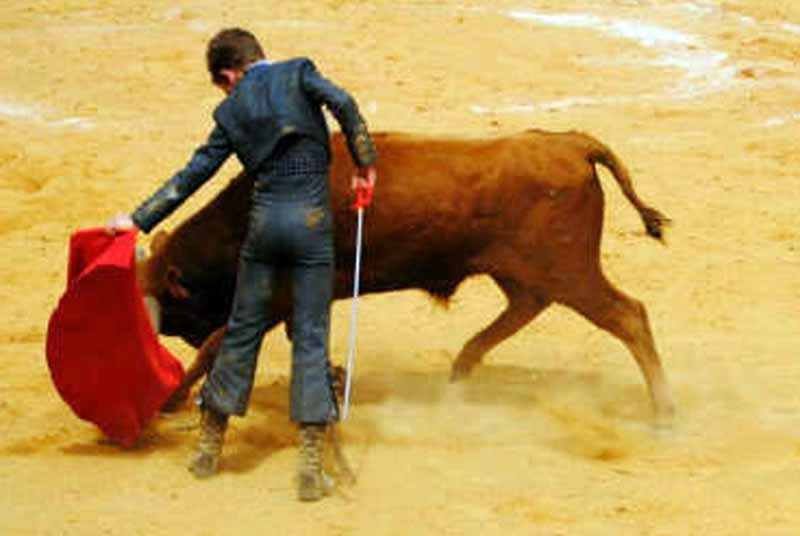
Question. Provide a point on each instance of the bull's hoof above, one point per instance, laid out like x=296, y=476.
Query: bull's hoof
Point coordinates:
x=459, y=372
x=664, y=422
x=176, y=401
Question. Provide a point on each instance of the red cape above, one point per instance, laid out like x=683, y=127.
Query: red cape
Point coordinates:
x=103, y=354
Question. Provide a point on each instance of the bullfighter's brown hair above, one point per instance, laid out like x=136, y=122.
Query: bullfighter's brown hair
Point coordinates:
x=232, y=48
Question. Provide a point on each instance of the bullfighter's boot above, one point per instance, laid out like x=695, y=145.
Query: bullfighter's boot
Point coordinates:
x=312, y=483
x=212, y=433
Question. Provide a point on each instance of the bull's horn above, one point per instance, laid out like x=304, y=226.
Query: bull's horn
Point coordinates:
x=158, y=241
x=141, y=253
x=150, y=302
x=153, y=311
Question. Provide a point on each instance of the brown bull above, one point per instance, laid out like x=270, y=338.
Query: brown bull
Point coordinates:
x=527, y=210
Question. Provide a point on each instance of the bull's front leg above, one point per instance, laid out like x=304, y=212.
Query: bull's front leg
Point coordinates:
x=200, y=367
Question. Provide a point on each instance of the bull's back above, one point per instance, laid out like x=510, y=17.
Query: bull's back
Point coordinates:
x=440, y=196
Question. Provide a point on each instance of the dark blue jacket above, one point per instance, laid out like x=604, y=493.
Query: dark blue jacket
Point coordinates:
x=272, y=101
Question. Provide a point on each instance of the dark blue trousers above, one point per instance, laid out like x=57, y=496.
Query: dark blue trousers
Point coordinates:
x=291, y=227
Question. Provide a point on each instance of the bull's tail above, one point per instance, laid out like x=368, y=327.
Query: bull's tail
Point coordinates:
x=654, y=221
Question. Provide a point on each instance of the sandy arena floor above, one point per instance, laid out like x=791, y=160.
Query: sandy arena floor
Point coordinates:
x=101, y=100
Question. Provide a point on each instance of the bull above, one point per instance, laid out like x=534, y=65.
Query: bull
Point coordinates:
x=524, y=209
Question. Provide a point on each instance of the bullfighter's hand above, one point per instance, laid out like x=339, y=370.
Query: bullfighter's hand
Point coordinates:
x=364, y=177
x=119, y=222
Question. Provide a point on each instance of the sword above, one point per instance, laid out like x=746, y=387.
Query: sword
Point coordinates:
x=363, y=199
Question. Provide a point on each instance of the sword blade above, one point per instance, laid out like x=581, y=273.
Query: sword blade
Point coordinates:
x=351, y=351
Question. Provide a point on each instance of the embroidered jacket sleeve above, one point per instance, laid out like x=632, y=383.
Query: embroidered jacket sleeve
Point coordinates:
x=206, y=160
x=345, y=110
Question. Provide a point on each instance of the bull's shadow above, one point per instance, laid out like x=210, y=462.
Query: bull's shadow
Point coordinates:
x=514, y=387
x=499, y=386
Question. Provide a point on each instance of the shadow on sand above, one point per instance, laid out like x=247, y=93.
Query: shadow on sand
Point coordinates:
x=558, y=394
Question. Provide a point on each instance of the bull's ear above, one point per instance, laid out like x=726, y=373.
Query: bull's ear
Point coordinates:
x=174, y=283
x=158, y=242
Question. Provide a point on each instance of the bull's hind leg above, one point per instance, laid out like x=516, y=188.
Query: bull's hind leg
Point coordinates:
x=626, y=318
x=523, y=306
